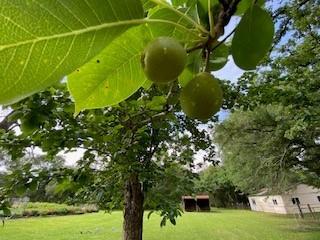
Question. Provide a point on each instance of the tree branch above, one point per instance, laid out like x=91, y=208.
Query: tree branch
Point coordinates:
x=223, y=40
x=224, y=17
x=197, y=47
x=283, y=9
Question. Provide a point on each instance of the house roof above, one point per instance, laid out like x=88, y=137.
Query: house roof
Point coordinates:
x=262, y=192
x=299, y=188
x=187, y=197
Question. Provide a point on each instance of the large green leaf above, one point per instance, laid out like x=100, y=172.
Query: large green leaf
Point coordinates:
x=147, y=5
x=184, y=30
x=116, y=73
x=205, y=4
x=113, y=75
x=203, y=9
x=253, y=38
x=244, y=5
x=42, y=41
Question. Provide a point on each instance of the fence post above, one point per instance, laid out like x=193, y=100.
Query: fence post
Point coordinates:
x=309, y=207
x=300, y=211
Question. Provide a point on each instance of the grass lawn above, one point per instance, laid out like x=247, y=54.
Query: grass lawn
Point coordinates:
x=221, y=225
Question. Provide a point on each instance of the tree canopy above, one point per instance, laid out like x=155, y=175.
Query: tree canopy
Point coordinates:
x=76, y=75
x=272, y=137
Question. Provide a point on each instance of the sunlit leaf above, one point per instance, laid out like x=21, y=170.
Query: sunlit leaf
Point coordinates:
x=42, y=41
x=244, y=5
x=184, y=30
x=113, y=75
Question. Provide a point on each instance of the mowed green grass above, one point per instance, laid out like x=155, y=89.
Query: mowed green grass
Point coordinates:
x=220, y=225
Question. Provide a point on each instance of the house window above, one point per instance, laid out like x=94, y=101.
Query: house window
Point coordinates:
x=318, y=198
x=295, y=200
x=275, y=201
x=253, y=202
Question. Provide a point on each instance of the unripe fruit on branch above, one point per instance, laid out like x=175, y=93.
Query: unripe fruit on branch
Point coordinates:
x=201, y=98
x=163, y=60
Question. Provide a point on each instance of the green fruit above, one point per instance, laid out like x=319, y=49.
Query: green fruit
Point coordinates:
x=201, y=98
x=164, y=60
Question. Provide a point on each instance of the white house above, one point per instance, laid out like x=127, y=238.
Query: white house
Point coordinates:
x=303, y=196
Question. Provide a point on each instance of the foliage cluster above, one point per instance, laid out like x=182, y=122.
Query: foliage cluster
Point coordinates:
x=273, y=132
x=35, y=209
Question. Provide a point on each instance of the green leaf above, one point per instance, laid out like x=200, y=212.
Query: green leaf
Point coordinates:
x=178, y=3
x=163, y=221
x=42, y=41
x=183, y=3
x=150, y=213
x=192, y=68
x=203, y=10
x=147, y=5
x=147, y=84
x=253, y=38
x=186, y=76
x=244, y=5
x=204, y=4
x=219, y=57
x=184, y=30
x=6, y=212
x=157, y=103
x=113, y=75
x=173, y=221
x=20, y=189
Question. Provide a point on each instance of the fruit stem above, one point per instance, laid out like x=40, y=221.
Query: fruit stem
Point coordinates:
x=207, y=60
x=223, y=40
x=197, y=47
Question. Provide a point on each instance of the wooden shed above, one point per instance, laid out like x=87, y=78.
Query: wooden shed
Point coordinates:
x=189, y=203
x=203, y=203
x=199, y=203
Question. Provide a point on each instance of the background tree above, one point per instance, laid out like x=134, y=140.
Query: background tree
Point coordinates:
x=215, y=181
x=124, y=151
x=99, y=48
x=174, y=182
x=273, y=133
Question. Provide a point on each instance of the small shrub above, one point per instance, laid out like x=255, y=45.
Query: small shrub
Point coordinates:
x=35, y=209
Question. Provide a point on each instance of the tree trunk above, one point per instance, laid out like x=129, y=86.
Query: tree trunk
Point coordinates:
x=133, y=209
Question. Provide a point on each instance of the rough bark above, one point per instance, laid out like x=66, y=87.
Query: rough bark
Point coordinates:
x=133, y=209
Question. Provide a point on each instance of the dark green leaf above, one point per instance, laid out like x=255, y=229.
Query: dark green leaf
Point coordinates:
x=219, y=57
x=173, y=221
x=149, y=214
x=6, y=211
x=163, y=222
x=244, y=5
x=192, y=68
x=253, y=38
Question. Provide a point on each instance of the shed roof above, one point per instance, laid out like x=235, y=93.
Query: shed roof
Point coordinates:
x=196, y=197
x=202, y=196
